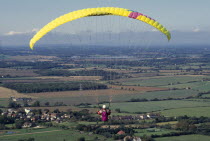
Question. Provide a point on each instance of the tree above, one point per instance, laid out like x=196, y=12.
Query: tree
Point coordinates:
x=25, y=103
x=13, y=105
x=18, y=124
x=118, y=110
x=81, y=139
x=185, y=125
x=47, y=103
x=147, y=138
x=36, y=104
x=46, y=111
x=2, y=127
x=56, y=111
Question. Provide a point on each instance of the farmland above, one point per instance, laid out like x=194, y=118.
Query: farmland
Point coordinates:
x=157, y=105
x=195, y=111
x=47, y=134
x=129, y=82
x=185, y=138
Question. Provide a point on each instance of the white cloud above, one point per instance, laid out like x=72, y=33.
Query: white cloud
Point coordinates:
x=10, y=33
x=154, y=30
x=13, y=33
x=35, y=30
x=196, y=30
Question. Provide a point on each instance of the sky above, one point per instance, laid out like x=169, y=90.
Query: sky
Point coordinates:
x=25, y=16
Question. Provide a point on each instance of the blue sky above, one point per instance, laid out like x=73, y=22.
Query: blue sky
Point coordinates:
x=24, y=16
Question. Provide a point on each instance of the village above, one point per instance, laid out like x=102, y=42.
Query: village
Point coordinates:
x=31, y=117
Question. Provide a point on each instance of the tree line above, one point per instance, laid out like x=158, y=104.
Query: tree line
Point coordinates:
x=53, y=87
x=105, y=74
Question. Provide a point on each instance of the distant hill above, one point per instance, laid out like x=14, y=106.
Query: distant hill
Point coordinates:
x=110, y=39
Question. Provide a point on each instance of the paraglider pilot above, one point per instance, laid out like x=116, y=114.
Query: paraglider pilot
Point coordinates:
x=104, y=113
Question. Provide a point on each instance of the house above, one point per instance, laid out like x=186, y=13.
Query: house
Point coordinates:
x=131, y=138
x=153, y=115
x=35, y=118
x=4, y=113
x=27, y=125
x=27, y=111
x=143, y=116
x=58, y=120
x=53, y=116
x=30, y=115
x=11, y=111
x=65, y=116
x=136, y=139
x=21, y=99
x=126, y=117
x=121, y=132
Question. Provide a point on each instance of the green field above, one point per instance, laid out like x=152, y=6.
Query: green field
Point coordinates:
x=4, y=102
x=196, y=111
x=152, y=131
x=157, y=105
x=202, y=86
x=206, y=95
x=121, y=98
x=162, y=81
x=185, y=138
x=157, y=94
x=51, y=135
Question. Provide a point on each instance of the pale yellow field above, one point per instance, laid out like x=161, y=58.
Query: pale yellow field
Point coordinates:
x=81, y=93
x=33, y=58
x=137, y=88
x=71, y=78
x=17, y=72
x=7, y=93
x=114, y=90
x=66, y=108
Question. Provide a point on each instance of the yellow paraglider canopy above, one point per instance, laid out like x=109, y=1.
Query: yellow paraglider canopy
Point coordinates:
x=101, y=11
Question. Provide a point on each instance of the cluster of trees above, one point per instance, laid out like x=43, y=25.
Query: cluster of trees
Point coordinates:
x=193, y=120
x=29, y=139
x=10, y=120
x=105, y=74
x=107, y=132
x=6, y=120
x=110, y=132
x=187, y=125
x=32, y=65
x=15, y=105
x=171, y=134
x=53, y=87
x=154, y=99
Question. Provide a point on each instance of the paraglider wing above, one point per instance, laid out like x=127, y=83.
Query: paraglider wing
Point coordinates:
x=97, y=12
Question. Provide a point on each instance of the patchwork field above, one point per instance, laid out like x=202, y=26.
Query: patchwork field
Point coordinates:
x=195, y=111
x=202, y=86
x=48, y=134
x=30, y=58
x=185, y=138
x=163, y=80
x=50, y=79
x=90, y=94
x=7, y=93
x=157, y=105
x=4, y=102
x=71, y=78
x=17, y=72
x=116, y=94
x=152, y=131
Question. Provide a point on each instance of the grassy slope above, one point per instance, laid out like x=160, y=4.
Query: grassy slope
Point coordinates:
x=157, y=105
x=52, y=135
x=196, y=111
x=185, y=138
